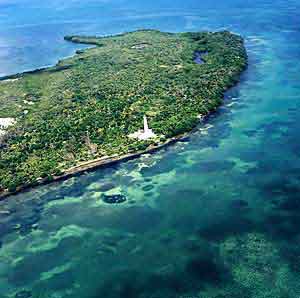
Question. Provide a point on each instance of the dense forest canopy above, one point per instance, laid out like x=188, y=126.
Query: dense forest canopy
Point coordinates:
x=86, y=106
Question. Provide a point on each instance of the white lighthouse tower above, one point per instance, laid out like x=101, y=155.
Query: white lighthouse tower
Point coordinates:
x=146, y=127
x=145, y=134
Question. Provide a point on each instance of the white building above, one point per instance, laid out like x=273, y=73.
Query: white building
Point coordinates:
x=144, y=134
x=5, y=123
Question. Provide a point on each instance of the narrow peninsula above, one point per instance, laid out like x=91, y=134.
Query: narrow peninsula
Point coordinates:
x=88, y=110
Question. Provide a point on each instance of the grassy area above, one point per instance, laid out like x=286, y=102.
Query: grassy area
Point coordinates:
x=85, y=106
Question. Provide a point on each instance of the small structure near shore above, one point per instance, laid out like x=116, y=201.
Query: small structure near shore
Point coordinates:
x=5, y=123
x=144, y=134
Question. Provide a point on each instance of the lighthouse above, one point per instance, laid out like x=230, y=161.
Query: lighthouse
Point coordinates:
x=144, y=134
x=146, y=127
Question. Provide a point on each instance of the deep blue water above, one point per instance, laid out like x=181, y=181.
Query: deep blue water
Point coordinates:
x=216, y=216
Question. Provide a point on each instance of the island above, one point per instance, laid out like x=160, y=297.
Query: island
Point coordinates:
x=87, y=110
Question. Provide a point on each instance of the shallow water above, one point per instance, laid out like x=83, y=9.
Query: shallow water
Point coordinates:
x=215, y=216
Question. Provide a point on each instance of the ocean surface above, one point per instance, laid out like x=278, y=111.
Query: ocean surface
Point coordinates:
x=216, y=216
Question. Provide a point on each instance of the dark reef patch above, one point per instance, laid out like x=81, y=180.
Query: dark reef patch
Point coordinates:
x=290, y=203
x=176, y=281
x=148, y=188
x=213, y=166
x=291, y=253
x=114, y=199
x=204, y=269
x=274, y=126
x=139, y=219
x=250, y=133
x=239, y=204
x=131, y=284
x=60, y=281
x=158, y=168
x=188, y=194
x=29, y=269
x=23, y=294
x=282, y=225
x=149, y=194
x=23, y=218
x=234, y=224
x=107, y=186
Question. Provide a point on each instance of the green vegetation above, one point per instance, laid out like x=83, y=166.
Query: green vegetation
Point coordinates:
x=84, y=107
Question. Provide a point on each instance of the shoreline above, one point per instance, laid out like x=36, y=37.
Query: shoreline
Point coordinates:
x=93, y=165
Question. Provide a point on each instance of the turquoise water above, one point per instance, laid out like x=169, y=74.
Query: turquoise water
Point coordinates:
x=216, y=216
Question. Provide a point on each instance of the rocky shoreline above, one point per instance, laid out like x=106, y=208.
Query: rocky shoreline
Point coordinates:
x=92, y=165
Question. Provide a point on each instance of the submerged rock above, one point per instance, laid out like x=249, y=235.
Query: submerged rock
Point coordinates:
x=148, y=187
x=239, y=204
x=204, y=269
x=114, y=199
x=107, y=186
x=139, y=219
x=23, y=294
